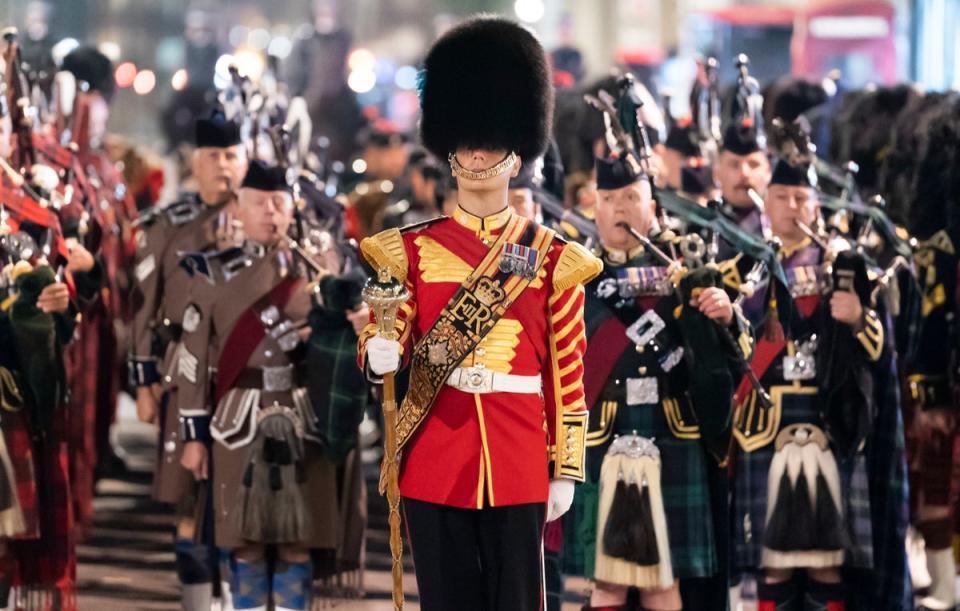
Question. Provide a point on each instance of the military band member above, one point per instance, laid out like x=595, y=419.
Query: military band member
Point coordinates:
x=191, y=224
x=639, y=525
x=931, y=395
x=272, y=486
x=743, y=166
x=685, y=168
x=37, y=320
x=492, y=428
x=801, y=501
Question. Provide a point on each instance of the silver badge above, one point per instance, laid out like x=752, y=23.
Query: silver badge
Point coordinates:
x=145, y=268
x=278, y=379
x=642, y=391
x=634, y=446
x=289, y=341
x=437, y=354
x=191, y=318
x=606, y=288
x=270, y=316
x=646, y=328
x=671, y=360
x=802, y=366
x=799, y=367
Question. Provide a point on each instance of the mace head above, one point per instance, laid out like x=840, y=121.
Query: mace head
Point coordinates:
x=384, y=294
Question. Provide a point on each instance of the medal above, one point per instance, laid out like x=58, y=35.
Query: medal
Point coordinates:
x=519, y=260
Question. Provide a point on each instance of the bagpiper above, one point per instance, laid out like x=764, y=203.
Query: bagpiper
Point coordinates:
x=273, y=489
x=743, y=167
x=801, y=499
x=931, y=377
x=192, y=224
x=492, y=428
x=660, y=370
x=39, y=277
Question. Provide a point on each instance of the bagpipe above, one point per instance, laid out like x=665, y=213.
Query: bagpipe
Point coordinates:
x=706, y=105
x=278, y=130
x=748, y=101
x=30, y=226
x=56, y=184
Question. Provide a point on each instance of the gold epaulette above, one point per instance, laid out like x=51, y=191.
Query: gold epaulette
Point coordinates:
x=385, y=251
x=576, y=265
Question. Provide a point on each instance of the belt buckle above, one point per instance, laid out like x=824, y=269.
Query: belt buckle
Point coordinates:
x=643, y=391
x=478, y=379
x=278, y=379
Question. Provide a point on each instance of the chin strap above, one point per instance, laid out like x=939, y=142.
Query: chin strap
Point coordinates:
x=461, y=172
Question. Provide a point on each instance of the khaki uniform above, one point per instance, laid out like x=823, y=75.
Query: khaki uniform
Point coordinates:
x=240, y=354
x=159, y=300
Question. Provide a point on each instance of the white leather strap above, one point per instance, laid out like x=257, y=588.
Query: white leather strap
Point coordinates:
x=478, y=380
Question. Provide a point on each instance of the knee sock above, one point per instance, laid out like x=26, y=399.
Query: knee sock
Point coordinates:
x=783, y=596
x=226, y=600
x=291, y=585
x=249, y=585
x=820, y=596
x=193, y=571
x=937, y=537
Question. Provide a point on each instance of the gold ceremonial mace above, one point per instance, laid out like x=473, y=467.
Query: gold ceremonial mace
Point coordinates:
x=384, y=295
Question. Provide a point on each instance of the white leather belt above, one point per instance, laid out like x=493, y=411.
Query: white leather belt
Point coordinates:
x=478, y=380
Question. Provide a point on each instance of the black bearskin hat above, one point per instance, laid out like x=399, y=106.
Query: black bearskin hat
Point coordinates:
x=790, y=97
x=486, y=84
x=898, y=172
x=936, y=204
x=863, y=130
x=93, y=67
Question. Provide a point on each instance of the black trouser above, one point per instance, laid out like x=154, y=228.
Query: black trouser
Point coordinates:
x=477, y=560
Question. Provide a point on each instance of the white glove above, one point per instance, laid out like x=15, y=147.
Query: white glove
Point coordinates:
x=383, y=355
x=559, y=499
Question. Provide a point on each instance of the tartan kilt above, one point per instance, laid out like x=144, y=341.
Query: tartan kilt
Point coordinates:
x=686, y=502
x=81, y=415
x=20, y=447
x=750, y=496
x=47, y=563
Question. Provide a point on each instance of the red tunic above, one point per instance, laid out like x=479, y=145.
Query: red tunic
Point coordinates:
x=494, y=449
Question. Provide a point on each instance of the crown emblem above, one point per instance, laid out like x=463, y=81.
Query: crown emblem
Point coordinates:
x=489, y=292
